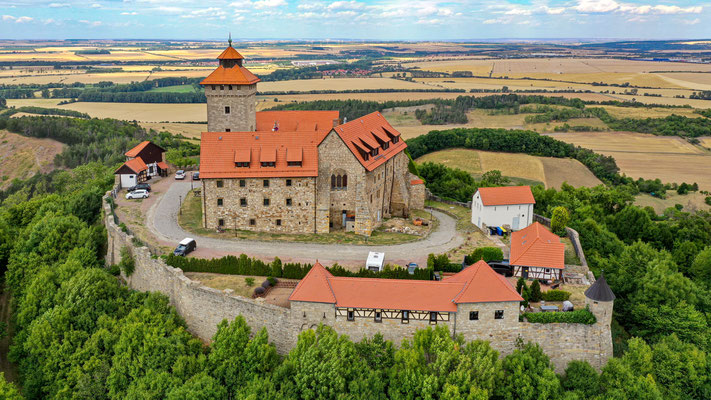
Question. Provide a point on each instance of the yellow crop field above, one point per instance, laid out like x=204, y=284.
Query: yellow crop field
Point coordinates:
x=141, y=112
x=649, y=112
x=22, y=157
x=706, y=142
x=177, y=128
x=550, y=171
x=304, y=85
x=670, y=159
x=696, y=81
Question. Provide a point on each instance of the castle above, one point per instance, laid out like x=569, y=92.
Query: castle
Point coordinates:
x=297, y=171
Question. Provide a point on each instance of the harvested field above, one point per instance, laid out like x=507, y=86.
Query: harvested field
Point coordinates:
x=649, y=112
x=22, y=157
x=671, y=159
x=176, y=128
x=694, y=81
x=304, y=85
x=143, y=112
x=529, y=169
x=691, y=201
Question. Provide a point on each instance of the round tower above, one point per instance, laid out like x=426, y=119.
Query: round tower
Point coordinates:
x=600, y=299
x=231, y=92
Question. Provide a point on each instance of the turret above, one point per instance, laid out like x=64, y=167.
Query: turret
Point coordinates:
x=231, y=92
x=600, y=299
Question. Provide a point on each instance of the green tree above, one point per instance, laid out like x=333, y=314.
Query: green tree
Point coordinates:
x=199, y=387
x=527, y=374
x=560, y=220
x=535, y=291
x=580, y=377
x=701, y=267
x=8, y=391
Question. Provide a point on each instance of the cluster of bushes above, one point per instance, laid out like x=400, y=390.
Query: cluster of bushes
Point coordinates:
x=46, y=111
x=441, y=115
x=261, y=290
x=555, y=295
x=568, y=317
x=484, y=253
x=244, y=265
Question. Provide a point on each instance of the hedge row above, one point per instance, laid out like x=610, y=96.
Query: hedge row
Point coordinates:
x=244, y=265
x=484, y=253
x=555, y=295
x=568, y=317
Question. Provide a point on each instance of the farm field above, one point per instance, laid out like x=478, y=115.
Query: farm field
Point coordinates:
x=671, y=159
x=690, y=202
x=649, y=112
x=552, y=172
x=177, y=128
x=303, y=85
x=22, y=157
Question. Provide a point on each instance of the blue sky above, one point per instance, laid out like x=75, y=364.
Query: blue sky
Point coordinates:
x=354, y=19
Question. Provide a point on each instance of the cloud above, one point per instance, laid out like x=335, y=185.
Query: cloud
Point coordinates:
x=59, y=5
x=691, y=22
x=18, y=20
x=269, y=3
x=607, y=6
x=96, y=5
x=91, y=23
x=129, y=13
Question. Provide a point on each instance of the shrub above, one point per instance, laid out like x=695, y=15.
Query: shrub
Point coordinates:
x=555, y=295
x=266, y=284
x=273, y=281
x=127, y=264
x=520, y=284
x=258, y=291
x=114, y=270
x=249, y=281
x=560, y=220
x=569, y=317
x=123, y=227
x=535, y=291
x=484, y=253
x=708, y=200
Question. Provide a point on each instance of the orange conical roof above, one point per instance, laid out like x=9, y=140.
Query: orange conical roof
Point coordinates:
x=230, y=54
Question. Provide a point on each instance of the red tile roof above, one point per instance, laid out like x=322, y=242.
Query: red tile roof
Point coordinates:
x=478, y=283
x=417, y=182
x=220, y=151
x=361, y=134
x=236, y=75
x=230, y=54
x=536, y=246
x=135, y=164
x=497, y=196
x=162, y=165
x=321, y=121
x=134, y=151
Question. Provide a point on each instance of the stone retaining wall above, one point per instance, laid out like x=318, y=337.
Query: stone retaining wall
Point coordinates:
x=203, y=308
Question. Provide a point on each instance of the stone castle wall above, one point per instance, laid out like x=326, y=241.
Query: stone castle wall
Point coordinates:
x=203, y=308
x=242, y=101
x=278, y=216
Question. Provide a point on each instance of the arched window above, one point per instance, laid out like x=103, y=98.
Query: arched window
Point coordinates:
x=338, y=182
x=345, y=181
x=333, y=181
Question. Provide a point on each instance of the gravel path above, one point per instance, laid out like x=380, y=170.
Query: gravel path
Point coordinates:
x=163, y=222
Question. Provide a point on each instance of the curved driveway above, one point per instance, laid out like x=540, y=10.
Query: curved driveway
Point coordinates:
x=163, y=222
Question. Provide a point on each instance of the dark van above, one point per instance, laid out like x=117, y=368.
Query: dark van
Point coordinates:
x=185, y=246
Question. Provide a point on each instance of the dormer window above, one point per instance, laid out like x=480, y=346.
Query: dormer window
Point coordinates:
x=386, y=145
x=294, y=163
x=268, y=164
x=374, y=152
x=396, y=139
x=242, y=164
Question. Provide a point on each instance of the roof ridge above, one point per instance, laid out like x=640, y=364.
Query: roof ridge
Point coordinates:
x=469, y=282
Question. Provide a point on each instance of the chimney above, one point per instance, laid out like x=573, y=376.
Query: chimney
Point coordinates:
x=335, y=123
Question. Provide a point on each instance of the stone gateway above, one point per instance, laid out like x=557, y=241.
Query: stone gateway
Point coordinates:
x=297, y=171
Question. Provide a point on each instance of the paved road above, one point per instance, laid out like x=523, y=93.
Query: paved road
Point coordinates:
x=163, y=222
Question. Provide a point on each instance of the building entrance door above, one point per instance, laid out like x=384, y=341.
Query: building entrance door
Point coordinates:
x=343, y=218
x=514, y=223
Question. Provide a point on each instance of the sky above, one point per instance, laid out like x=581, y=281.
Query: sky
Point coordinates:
x=354, y=19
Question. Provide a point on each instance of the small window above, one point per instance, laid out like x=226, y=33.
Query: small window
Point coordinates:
x=242, y=183
x=288, y=182
x=278, y=222
x=378, y=316
x=219, y=202
x=243, y=202
x=293, y=163
x=473, y=315
x=265, y=183
x=266, y=201
x=229, y=87
x=433, y=317
x=228, y=130
x=268, y=164
x=213, y=87
x=351, y=315
x=227, y=109
x=548, y=270
x=220, y=183
x=396, y=139
x=252, y=222
x=242, y=164
x=288, y=202
x=221, y=222
x=222, y=87
x=405, y=316
x=499, y=314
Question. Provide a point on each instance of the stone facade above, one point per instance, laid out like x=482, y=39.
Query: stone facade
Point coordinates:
x=242, y=103
x=286, y=205
x=203, y=308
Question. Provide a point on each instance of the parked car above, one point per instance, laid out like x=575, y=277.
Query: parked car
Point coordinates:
x=180, y=174
x=185, y=246
x=140, y=186
x=196, y=176
x=137, y=194
x=501, y=268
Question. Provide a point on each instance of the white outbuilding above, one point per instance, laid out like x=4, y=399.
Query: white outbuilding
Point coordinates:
x=506, y=205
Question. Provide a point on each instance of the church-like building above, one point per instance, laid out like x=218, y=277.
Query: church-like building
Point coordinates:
x=297, y=171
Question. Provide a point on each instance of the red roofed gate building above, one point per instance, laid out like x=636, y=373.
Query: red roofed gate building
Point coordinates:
x=296, y=171
x=537, y=253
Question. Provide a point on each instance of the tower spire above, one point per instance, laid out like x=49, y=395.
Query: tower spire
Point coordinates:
x=230, y=39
